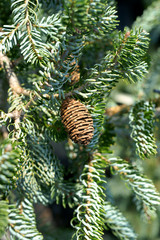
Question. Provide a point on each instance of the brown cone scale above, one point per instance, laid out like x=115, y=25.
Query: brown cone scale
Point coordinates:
x=77, y=120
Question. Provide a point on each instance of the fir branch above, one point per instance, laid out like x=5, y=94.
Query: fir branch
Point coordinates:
x=32, y=48
x=8, y=37
x=16, y=111
x=120, y=47
x=134, y=42
x=118, y=223
x=30, y=33
x=24, y=10
x=3, y=216
x=40, y=169
x=143, y=187
x=146, y=212
x=89, y=213
x=8, y=166
x=51, y=26
x=119, y=64
x=91, y=18
x=58, y=49
x=22, y=224
x=67, y=58
x=76, y=22
x=32, y=43
x=66, y=192
x=141, y=121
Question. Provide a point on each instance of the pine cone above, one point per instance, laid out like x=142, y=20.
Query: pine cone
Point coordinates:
x=77, y=120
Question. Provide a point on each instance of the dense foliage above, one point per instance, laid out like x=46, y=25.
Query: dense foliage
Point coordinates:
x=53, y=50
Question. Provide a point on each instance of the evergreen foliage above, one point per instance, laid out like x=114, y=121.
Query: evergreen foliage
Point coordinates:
x=3, y=216
x=40, y=171
x=141, y=186
x=118, y=223
x=73, y=39
x=90, y=211
x=8, y=167
x=22, y=223
x=141, y=120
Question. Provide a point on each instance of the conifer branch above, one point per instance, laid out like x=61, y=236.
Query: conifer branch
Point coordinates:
x=141, y=121
x=8, y=36
x=115, y=220
x=89, y=182
x=31, y=40
x=59, y=45
x=90, y=212
x=22, y=220
x=121, y=46
x=3, y=216
x=8, y=166
x=143, y=187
